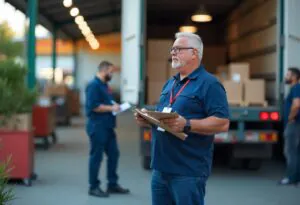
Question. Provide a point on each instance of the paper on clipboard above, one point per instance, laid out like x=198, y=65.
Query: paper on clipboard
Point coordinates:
x=123, y=107
x=156, y=122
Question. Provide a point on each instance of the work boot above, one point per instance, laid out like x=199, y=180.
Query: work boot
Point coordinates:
x=117, y=190
x=98, y=193
x=287, y=181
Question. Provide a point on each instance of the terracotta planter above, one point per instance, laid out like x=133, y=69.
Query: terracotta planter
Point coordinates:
x=19, y=147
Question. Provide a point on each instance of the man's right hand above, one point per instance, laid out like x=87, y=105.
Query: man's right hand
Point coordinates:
x=115, y=108
x=141, y=121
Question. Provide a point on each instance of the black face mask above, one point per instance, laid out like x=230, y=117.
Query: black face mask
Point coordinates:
x=288, y=81
x=108, y=77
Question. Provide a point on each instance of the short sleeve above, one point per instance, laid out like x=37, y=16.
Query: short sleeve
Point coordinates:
x=94, y=98
x=216, y=103
x=296, y=91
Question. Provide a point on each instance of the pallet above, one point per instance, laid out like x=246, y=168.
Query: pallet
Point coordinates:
x=261, y=104
x=247, y=104
x=236, y=103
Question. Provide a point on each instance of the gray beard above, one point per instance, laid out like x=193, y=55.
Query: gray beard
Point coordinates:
x=177, y=64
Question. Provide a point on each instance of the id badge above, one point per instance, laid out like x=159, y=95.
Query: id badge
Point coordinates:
x=165, y=110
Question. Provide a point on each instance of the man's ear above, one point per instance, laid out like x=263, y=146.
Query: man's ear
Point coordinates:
x=195, y=52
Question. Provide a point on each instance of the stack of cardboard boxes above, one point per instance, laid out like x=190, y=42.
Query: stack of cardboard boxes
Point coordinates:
x=241, y=90
x=157, y=68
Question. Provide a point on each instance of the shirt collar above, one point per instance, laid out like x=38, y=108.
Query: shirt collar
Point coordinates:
x=99, y=81
x=192, y=75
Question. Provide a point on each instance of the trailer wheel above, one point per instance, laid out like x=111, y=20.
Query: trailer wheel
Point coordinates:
x=146, y=160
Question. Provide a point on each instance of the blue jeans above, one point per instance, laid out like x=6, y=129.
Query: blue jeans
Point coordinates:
x=170, y=189
x=292, y=151
x=103, y=140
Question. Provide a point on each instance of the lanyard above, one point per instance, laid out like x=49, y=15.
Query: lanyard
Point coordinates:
x=172, y=99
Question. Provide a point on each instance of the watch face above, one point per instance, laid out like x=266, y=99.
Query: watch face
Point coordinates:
x=187, y=128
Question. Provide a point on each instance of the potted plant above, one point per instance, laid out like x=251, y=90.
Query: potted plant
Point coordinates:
x=16, y=102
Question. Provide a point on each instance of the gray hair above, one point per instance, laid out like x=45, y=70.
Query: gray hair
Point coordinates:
x=194, y=41
x=104, y=65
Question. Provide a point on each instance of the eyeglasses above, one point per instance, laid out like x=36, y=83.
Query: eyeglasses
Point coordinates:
x=178, y=49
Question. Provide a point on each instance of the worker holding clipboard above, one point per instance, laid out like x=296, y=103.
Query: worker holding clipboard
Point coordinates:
x=182, y=145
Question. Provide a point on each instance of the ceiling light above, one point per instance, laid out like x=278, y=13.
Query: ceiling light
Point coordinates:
x=190, y=29
x=201, y=15
x=201, y=18
x=89, y=36
x=86, y=32
x=79, y=19
x=67, y=3
x=95, y=46
x=83, y=26
x=74, y=11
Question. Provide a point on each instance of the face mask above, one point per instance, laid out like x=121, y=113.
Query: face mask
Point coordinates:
x=288, y=82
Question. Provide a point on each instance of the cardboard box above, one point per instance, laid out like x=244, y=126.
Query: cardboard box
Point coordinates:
x=255, y=92
x=157, y=70
x=234, y=92
x=56, y=90
x=237, y=72
x=154, y=91
x=159, y=49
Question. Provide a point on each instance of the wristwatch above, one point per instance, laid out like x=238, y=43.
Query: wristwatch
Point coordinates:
x=187, y=127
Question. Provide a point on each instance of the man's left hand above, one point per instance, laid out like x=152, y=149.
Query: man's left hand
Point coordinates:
x=176, y=124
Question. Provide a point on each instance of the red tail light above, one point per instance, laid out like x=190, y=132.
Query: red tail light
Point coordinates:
x=274, y=116
x=264, y=115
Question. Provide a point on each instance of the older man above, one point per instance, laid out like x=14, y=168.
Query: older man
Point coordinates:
x=181, y=168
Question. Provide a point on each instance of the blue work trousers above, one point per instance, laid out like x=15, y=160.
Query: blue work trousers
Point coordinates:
x=292, y=151
x=103, y=140
x=170, y=189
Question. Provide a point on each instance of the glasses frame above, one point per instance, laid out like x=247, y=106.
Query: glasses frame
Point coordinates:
x=178, y=49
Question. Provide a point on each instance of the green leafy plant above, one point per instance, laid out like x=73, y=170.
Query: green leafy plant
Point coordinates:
x=6, y=194
x=15, y=97
x=8, y=46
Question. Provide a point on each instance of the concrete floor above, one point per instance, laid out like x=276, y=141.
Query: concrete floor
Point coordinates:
x=62, y=176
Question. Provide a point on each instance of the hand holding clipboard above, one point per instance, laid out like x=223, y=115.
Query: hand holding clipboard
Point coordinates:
x=155, y=117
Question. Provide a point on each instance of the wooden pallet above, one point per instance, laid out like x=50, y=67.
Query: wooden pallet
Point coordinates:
x=261, y=104
x=235, y=103
x=247, y=104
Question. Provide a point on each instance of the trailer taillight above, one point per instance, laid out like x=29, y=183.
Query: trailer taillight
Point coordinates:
x=274, y=116
x=264, y=115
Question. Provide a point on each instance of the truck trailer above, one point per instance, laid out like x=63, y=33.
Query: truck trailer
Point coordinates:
x=261, y=33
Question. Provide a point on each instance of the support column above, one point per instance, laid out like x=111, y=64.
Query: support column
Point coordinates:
x=31, y=54
x=54, y=54
x=75, y=60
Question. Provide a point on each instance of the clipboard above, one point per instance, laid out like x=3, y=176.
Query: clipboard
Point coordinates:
x=162, y=115
x=156, y=122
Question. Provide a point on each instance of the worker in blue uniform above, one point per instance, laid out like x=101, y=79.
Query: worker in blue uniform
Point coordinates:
x=182, y=167
x=292, y=128
x=100, y=125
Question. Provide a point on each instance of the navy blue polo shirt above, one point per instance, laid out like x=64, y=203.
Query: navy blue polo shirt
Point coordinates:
x=98, y=93
x=202, y=97
x=294, y=93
